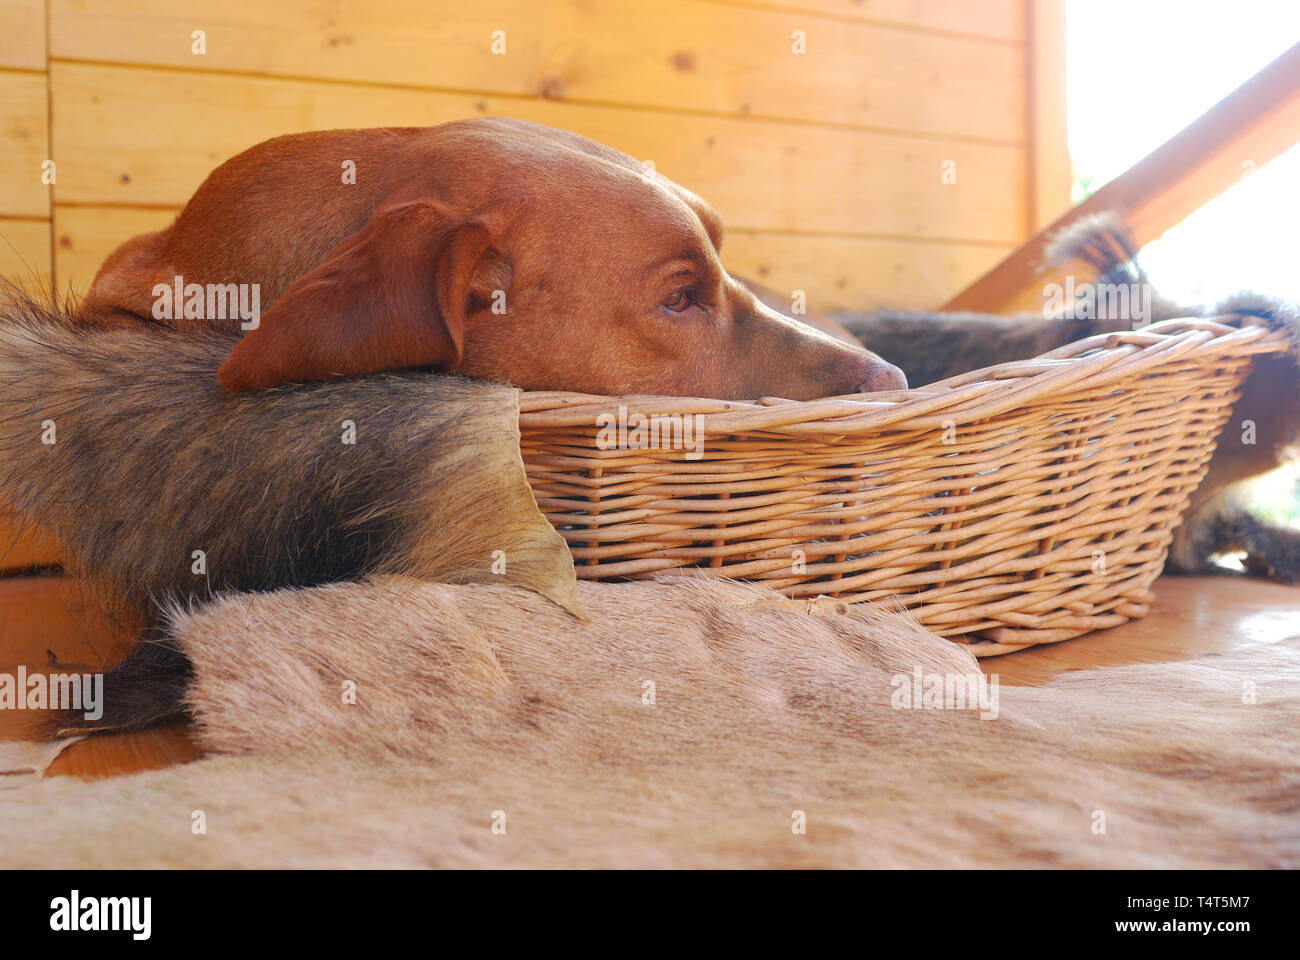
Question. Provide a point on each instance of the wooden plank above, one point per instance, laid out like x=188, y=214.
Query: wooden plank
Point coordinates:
x=55, y=621
x=23, y=145
x=1049, y=140
x=1000, y=20
x=54, y=625
x=1246, y=129
x=111, y=755
x=837, y=273
x=25, y=253
x=22, y=34
x=44, y=620
x=666, y=54
x=178, y=741
x=120, y=143
x=1191, y=617
x=854, y=273
x=85, y=236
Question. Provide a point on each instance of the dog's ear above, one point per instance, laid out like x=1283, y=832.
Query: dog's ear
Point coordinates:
x=394, y=294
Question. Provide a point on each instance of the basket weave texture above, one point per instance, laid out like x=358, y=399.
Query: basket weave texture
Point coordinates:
x=1021, y=504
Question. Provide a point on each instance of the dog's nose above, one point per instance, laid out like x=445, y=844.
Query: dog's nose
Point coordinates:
x=882, y=376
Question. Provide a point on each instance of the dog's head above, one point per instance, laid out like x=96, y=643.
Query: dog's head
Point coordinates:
x=536, y=257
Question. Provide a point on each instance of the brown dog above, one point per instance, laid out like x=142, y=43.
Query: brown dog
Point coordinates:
x=497, y=248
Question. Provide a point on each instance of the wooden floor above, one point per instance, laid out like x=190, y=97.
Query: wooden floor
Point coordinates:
x=50, y=624
x=1191, y=616
x=47, y=623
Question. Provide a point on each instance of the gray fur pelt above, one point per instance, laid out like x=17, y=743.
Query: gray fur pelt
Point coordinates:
x=123, y=445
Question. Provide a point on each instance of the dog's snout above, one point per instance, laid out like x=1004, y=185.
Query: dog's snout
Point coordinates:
x=880, y=375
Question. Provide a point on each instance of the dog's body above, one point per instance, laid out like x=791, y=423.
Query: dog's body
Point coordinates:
x=499, y=249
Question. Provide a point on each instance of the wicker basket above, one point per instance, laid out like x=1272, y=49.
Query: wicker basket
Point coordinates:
x=1022, y=504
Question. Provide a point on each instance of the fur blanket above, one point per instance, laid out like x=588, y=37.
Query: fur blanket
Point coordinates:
x=690, y=723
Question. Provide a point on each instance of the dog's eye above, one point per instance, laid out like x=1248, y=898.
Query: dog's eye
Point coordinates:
x=680, y=301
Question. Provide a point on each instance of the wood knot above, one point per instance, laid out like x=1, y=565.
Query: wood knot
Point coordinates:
x=551, y=87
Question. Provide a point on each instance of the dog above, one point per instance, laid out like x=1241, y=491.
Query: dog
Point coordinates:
x=496, y=248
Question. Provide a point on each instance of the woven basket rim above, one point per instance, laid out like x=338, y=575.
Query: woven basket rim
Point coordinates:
x=1100, y=359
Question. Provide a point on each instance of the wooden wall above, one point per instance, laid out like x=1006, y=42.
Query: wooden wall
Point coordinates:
x=828, y=166
x=24, y=142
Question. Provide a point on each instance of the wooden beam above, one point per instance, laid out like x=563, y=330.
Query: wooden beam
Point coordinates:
x=1049, y=142
x=1243, y=131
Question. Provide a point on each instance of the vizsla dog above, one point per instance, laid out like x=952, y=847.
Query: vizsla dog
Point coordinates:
x=500, y=249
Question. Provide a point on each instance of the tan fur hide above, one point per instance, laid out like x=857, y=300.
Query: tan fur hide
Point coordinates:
x=474, y=702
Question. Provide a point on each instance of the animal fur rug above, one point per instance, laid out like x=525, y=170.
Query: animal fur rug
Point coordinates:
x=490, y=728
